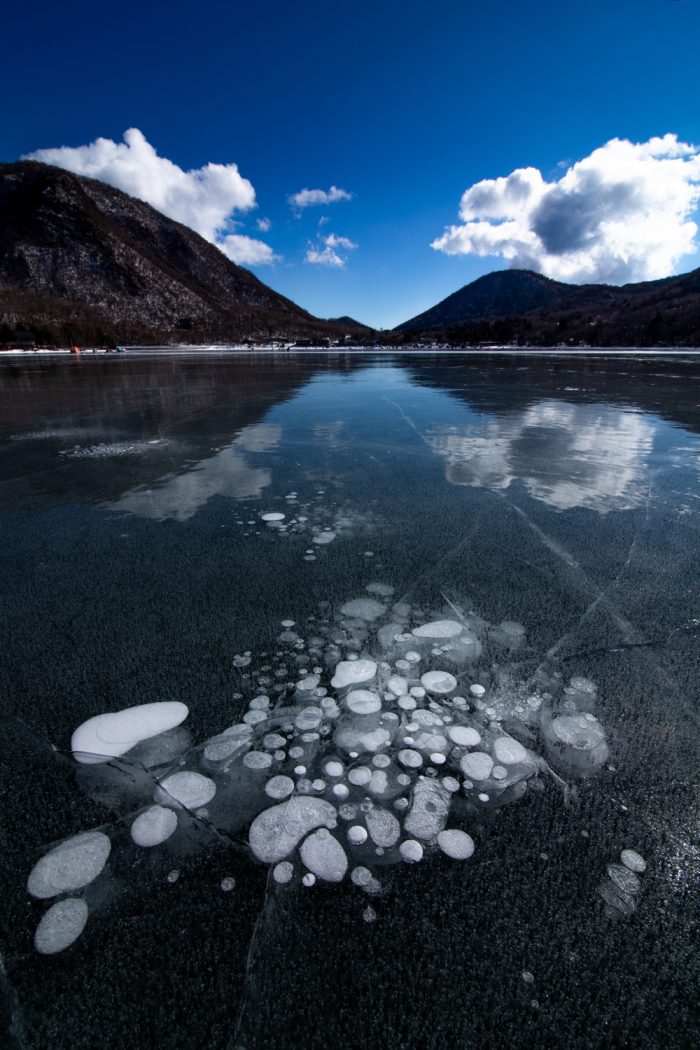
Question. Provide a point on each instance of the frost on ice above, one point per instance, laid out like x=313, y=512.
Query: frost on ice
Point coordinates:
x=373, y=736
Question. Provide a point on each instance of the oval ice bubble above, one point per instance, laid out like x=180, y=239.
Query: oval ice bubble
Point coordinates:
x=324, y=856
x=438, y=630
x=439, y=683
x=70, y=865
x=353, y=673
x=464, y=736
x=477, y=765
x=363, y=702
x=154, y=826
x=368, y=609
x=113, y=734
x=456, y=844
x=61, y=926
x=188, y=790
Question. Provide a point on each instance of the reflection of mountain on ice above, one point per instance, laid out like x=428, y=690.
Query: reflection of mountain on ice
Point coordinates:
x=227, y=473
x=592, y=456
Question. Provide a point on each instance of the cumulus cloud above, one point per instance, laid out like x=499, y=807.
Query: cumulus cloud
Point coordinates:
x=204, y=199
x=263, y=225
x=325, y=251
x=246, y=251
x=623, y=213
x=310, y=198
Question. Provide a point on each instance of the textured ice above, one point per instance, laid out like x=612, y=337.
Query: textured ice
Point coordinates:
x=324, y=856
x=276, y=832
x=72, y=864
x=61, y=926
x=189, y=790
x=153, y=826
x=113, y=734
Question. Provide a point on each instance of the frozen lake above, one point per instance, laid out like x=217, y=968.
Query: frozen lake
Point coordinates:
x=423, y=632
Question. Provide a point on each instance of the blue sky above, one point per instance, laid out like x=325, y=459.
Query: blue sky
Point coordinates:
x=404, y=105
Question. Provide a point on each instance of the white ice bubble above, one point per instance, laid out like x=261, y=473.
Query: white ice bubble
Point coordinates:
x=384, y=829
x=189, y=790
x=283, y=872
x=439, y=683
x=257, y=760
x=334, y=768
x=113, y=734
x=409, y=758
x=61, y=926
x=72, y=864
x=363, y=702
x=324, y=537
x=509, y=751
x=477, y=765
x=279, y=787
x=438, y=629
x=357, y=834
x=477, y=690
x=353, y=672
x=324, y=856
x=309, y=879
x=273, y=515
x=384, y=590
x=464, y=736
x=429, y=808
x=340, y=791
x=397, y=685
x=456, y=844
x=276, y=832
x=411, y=851
x=360, y=776
x=633, y=860
x=368, y=609
x=153, y=826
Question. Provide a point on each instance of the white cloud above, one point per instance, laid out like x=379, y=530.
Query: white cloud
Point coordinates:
x=623, y=213
x=263, y=225
x=324, y=252
x=310, y=198
x=246, y=251
x=203, y=198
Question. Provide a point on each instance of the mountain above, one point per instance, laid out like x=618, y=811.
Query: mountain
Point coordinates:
x=526, y=308
x=83, y=262
x=505, y=293
x=350, y=322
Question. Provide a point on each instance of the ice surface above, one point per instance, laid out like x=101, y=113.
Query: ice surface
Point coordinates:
x=72, y=864
x=324, y=856
x=113, y=734
x=61, y=926
x=276, y=832
x=153, y=826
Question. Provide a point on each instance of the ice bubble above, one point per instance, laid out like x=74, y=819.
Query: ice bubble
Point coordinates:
x=429, y=809
x=624, y=879
x=363, y=702
x=509, y=751
x=383, y=827
x=153, y=826
x=273, y=516
x=253, y=718
x=438, y=629
x=410, y=758
x=411, y=851
x=279, y=787
x=357, y=835
x=324, y=537
x=353, y=672
x=576, y=743
x=633, y=860
x=72, y=864
x=407, y=703
x=287, y=623
x=334, y=768
x=113, y=734
x=283, y=872
x=219, y=750
x=61, y=926
x=451, y=784
x=324, y=856
x=368, y=609
x=439, y=683
x=369, y=914
x=360, y=776
x=397, y=685
x=384, y=590
x=228, y=884
x=273, y=741
x=477, y=765
x=276, y=832
x=381, y=761
x=352, y=738
x=361, y=876
x=309, y=879
x=259, y=703
x=456, y=844
x=173, y=876
x=464, y=736
x=187, y=789
x=257, y=760
x=477, y=690
x=340, y=790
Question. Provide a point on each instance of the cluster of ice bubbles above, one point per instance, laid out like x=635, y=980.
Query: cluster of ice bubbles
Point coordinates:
x=112, y=449
x=375, y=742
x=321, y=522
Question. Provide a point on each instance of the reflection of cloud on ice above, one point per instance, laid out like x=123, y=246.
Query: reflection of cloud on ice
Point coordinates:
x=592, y=456
x=228, y=473
x=329, y=432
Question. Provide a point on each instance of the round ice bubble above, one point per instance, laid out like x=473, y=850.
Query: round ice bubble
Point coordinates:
x=477, y=765
x=154, y=826
x=61, y=926
x=189, y=790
